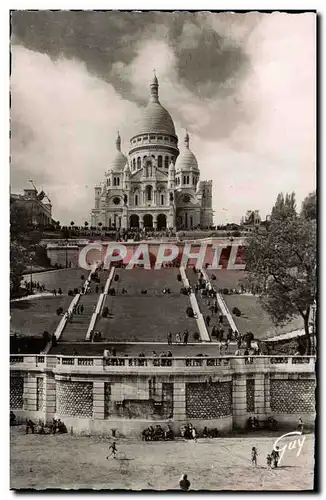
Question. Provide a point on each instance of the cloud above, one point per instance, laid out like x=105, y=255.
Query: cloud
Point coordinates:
x=243, y=85
x=64, y=123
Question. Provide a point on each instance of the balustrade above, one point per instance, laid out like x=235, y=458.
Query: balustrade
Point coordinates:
x=237, y=362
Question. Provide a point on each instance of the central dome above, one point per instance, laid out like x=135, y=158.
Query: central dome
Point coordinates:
x=155, y=119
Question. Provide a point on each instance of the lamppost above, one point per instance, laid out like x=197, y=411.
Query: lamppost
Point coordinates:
x=31, y=261
x=66, y=253
x=313, y=308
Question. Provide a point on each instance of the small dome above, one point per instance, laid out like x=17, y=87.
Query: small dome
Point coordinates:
x=120, y=160
x=187, y=160
x=155, y=119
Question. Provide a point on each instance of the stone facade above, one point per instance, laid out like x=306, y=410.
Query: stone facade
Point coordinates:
x=209, y=400
x=75, y=399
x=292, y=396
x=156, y=186
x=250, y=388
x=96, y=398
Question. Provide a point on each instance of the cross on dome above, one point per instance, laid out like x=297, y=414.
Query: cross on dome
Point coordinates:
x=154, y=88
x=118, y=142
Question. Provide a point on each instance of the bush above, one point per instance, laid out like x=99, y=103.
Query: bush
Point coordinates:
x=179, y=277
x=82, y=277
x=116, y=278
x=196, y=336
x=225, y=291
x=76, y=291
x=105, y=312
x=46, y=337
x=70, y=293
x=236, y=312
x=190, y=312
x=59, y=311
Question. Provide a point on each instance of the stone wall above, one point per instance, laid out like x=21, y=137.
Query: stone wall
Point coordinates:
x=250, y=389
x=208, y=400
x=97, y=398
x=40, y=394
x=75, y=398
x=292, y=396
x=16, y=392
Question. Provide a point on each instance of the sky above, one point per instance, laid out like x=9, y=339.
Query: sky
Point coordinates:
x=243, y=85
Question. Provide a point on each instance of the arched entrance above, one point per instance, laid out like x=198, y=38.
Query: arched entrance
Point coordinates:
x=161, y=221
x=134, y=220
x=148, y=221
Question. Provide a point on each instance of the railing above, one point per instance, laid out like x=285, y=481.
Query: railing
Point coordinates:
x=189, y=362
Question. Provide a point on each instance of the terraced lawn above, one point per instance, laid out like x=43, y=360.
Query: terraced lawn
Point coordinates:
x=33, y=316
x=147, y=318
x=62, y=278
x=255, y=319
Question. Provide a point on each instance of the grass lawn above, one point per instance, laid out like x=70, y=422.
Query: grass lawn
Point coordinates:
x=147, y=318
x=64, y=461
x=255, y=319
x=33, y=316
x=62, y=278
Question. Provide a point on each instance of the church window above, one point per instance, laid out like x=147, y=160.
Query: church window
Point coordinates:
x=166, y=162
x=138, y=162
x=136, y=199
x=139, y=139
x=159, y=161
x=184, y=179
x=187, y=179
x=146, y=138
x=134, y=164
x=166, y=138
x=162, y=199
x=149, y=191
x=152, y=137
x=160, y=138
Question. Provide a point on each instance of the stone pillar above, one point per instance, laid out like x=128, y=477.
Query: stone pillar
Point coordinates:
x=260, y=396
x=98, y=400
x=179, y=401
x=49, y=389
x=239, y=400
x=124, y=222
x=141, y=222
x=267, y=394
x=30, y=392
x=155, y=222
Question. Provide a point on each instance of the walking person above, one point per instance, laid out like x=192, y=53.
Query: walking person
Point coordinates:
x=178, y=338
x=169, y=338
x=185, y=337
x=254, y=454
x=275, y=456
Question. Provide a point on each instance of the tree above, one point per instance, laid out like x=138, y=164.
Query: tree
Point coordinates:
x=281, y=266
x=309, y=207
x=19, y=234
x=284, y=208
x=86, y=224
x=72, y=223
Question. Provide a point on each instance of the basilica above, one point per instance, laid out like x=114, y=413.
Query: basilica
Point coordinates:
x=156, y=186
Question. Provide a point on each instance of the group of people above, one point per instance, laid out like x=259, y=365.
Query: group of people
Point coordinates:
x=158, y=433
x=56, y=426
x=34, y=285
x=272, y=458
x=178, y=339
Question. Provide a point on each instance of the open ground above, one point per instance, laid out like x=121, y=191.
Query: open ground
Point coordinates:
x=70, y=462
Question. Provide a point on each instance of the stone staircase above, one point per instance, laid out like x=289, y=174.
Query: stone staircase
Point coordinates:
x=76, y=329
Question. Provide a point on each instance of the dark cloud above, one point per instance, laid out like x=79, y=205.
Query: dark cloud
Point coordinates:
x=102, y=39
